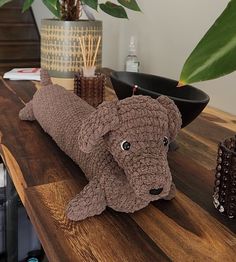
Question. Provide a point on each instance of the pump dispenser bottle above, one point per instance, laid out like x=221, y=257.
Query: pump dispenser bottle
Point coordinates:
x=131, y=62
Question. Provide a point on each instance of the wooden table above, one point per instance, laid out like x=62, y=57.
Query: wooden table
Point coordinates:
x=187, y=228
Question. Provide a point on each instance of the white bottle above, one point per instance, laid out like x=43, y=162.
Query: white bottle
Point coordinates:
x=131, y=62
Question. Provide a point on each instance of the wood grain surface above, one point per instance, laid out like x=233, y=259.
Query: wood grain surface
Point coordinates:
x=188, y=228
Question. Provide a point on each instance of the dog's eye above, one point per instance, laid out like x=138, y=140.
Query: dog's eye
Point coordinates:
x=125, y=145
x=165, y=141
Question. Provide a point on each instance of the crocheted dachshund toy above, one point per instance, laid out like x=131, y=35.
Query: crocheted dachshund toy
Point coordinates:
x=121, y=146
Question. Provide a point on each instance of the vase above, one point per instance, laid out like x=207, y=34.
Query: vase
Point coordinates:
x=61, y=54
x=224, y=198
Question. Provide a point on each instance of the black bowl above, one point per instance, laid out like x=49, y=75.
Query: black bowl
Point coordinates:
x=190, y=100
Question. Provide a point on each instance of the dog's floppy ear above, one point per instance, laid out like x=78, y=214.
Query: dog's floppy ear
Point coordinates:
x=99, y=123
x=175, y=120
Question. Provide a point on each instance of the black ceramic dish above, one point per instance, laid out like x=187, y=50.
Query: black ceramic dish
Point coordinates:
x=190, y=100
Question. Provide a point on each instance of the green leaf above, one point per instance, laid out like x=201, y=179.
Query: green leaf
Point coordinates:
x=3, y=2
x=54, y=6
x=131, y=4
x=91, y=3
x=215, y=54
x=27, y=5
x=114, y=10
x=53, y=3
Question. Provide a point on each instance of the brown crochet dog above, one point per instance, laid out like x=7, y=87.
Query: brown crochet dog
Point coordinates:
x=121, y=146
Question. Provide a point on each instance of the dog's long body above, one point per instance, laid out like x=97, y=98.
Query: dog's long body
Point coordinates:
x=60, y=114
x=121, y=146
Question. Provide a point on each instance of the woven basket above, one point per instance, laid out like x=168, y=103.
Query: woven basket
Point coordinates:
x=91, y=89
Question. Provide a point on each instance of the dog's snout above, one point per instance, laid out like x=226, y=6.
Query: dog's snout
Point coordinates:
x=155, y=191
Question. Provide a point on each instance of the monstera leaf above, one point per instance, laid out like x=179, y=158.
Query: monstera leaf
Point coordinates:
x=215, y=54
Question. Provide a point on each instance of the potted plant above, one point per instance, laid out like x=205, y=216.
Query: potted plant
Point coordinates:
x=215, y=54
x=60, y=46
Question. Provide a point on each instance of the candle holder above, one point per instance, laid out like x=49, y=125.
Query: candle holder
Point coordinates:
x=224, y=198
x=91, y=89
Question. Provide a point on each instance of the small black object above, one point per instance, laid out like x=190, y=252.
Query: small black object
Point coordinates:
x=165, y=141
x=125, y=145
x=224, y=198
x=156, y=191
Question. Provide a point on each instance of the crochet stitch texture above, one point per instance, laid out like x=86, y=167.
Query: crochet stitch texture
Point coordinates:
x=94, y=138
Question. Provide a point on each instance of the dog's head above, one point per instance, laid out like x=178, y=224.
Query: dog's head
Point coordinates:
x=137, y=132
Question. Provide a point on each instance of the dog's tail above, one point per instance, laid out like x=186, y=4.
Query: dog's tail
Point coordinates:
x=27, y=112
x=45, y=77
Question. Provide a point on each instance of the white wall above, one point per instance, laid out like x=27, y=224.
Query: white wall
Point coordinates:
x=111, y=32
x=167, y=31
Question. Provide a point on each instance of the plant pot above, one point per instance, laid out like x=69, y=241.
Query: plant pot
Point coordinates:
x=61, y=54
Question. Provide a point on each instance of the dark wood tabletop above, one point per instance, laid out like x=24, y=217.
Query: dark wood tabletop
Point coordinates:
x=188, y=228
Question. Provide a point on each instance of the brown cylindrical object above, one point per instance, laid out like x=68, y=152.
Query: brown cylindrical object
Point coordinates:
x=91, y=89
x=225, y=178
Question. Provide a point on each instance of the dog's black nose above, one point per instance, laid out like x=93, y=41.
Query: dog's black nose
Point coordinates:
x=155, y=191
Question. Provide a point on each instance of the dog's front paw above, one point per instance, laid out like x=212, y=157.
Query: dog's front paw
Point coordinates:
x=89, y=202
